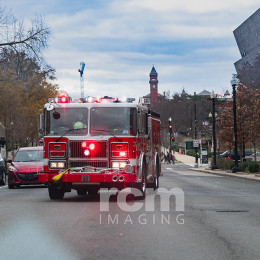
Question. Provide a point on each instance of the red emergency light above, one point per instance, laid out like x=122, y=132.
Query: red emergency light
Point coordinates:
x=92, y=146
x=63, y=99
x=84, y=144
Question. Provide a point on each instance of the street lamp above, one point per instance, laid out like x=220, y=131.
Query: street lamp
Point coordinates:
x=170, y=132
x=195, y=133
x=213, y=97
x=234, y=81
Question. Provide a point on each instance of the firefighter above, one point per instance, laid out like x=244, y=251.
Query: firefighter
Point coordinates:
x=78, y=125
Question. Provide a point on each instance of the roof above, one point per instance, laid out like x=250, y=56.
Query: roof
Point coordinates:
x=153, y=71
x=204, y=93
x=226, y=93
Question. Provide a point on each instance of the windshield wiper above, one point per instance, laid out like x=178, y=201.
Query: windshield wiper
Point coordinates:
x=107, y=131
x=68, y=132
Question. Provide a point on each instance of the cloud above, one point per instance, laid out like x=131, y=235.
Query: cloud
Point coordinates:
x=190, y=43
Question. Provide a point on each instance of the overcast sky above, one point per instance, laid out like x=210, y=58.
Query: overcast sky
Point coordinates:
x=190, y=43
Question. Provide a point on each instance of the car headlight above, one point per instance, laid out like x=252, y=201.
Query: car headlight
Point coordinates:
x=12, y=169
x=57, y=165
x=118, y=164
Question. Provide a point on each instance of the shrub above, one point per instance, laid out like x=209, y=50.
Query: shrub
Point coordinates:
x=253, y=166
x=191, y=152
x=225, y=164
x=243, y=166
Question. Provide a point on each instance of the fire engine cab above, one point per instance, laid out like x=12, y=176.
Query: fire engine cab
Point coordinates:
x=99, y=143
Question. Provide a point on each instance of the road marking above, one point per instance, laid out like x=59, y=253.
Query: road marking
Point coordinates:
x=3, y=186
x=193, y=173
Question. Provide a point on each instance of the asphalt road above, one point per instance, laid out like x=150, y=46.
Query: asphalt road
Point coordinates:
x=220, y=221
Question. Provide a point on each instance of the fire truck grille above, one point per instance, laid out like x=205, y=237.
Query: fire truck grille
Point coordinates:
x=94, y=164
x=77, y=149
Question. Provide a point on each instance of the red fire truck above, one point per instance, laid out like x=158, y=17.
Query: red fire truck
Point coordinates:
x=102, y=143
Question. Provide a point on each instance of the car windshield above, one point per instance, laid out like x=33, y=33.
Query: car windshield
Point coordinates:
x=62, y=120
x=28, y=156
x=113, y=121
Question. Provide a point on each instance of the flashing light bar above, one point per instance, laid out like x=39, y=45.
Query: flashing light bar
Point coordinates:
x=60, y=99
x=105, y=99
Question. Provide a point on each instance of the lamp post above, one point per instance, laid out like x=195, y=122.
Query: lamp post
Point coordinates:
x=170, y=132
x=234, y=81
x=195, y=133
x=213, y=97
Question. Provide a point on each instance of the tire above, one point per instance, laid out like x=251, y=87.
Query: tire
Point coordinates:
x=156, y=179
x=93, y=192
x=81, y=192
x=2, y=181
x=10, y=186
x=55, y=191
x=142, y=185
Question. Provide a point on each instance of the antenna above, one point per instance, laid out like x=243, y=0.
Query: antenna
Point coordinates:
x=81, y=70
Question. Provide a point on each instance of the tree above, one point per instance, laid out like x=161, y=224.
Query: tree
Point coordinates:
x=20, y=37
x=248, y=114
x=25, y=87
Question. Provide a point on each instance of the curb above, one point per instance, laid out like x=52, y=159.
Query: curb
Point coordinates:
x=225, y=174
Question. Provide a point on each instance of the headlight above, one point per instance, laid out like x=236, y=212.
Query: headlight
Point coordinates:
x=57, y=165
x=118, y=164
x=12, y=169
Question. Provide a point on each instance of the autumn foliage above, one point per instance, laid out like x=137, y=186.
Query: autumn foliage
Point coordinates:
x=248, y=123
x=25, y=87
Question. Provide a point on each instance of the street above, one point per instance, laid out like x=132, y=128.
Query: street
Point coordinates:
x=220, y=221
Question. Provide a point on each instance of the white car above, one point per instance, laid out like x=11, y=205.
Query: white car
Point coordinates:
x=252, y=157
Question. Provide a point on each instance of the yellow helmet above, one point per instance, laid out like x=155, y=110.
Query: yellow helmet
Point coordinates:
x=78, y=125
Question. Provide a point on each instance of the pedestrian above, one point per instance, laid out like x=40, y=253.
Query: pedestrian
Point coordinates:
x=162, y=156
x=168, y=158
x=171, y=158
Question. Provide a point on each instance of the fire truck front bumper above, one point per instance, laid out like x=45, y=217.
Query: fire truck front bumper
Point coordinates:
x=89, y=178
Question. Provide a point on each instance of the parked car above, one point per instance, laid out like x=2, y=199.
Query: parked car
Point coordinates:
x=231, y=155
x=2, y=170
x=24, y=168
x=252, y=157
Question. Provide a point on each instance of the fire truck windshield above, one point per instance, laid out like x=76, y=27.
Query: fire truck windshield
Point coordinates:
x=62, y=120
x=113, y=120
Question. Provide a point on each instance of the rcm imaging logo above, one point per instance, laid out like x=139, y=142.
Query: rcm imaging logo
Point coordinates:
x=147, y=211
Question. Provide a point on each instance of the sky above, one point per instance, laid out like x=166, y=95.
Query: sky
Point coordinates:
x=189, y=42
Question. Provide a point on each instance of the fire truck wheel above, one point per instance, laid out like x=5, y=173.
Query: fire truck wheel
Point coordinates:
x=142, y=185
x=10, y=186
x=93, y=192
x=55, y=191
x=81, y=192
x=156, y=179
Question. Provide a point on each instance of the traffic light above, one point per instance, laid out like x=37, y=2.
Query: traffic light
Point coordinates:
x=173, y=138
x=170, y=128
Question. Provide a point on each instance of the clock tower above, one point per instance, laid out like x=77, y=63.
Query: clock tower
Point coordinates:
x=153, y=87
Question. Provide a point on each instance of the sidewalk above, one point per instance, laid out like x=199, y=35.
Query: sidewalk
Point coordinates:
x=190, y=160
